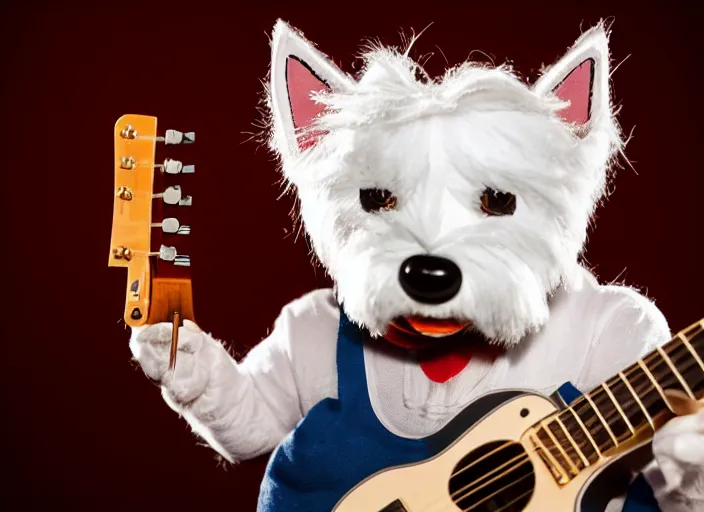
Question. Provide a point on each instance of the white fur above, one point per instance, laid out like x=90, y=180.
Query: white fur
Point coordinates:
x=677, y=473
x=436, y=145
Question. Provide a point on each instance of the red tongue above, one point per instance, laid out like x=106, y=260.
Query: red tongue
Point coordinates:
x=443, y=366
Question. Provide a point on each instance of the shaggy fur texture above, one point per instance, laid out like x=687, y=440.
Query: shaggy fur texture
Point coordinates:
x=392, y=131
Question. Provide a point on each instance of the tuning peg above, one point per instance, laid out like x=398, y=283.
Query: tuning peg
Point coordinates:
x=125, y=193
x=182, y=260
x=167, y=253
x=175, y=166
x=170, y=137
x=169, y=166
x=174, y=196
x=122, y=253
x=176, y=137
x=128, y=162
x=171, y=225
x=128, y=132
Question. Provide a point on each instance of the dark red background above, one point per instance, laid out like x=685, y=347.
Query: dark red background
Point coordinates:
x=85, y=429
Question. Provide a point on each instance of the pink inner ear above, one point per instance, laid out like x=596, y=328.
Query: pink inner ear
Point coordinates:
x=577, y=89
x=302, y=83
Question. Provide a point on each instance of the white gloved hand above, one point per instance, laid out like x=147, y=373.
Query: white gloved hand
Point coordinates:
x=151, y=345
x=677, y=475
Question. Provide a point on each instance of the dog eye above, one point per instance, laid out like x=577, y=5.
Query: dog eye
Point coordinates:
x=376, y=199
x=498, y=203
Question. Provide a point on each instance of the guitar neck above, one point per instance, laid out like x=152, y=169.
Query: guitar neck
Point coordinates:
x=625, y=410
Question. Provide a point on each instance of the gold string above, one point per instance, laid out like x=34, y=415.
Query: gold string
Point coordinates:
x=525, y=458
x=515, y=500
x=593, y=422
x=496, y=450
x=509, y=470
x=497, y=492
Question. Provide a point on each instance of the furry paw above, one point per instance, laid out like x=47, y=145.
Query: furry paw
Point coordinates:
x=679, y=450
x=151, y=346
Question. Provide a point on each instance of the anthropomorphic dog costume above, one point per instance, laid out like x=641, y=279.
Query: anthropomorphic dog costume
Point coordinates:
x=451, y=214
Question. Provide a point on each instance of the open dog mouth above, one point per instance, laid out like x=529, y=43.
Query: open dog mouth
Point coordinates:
x=417, y=331
x=433, y=327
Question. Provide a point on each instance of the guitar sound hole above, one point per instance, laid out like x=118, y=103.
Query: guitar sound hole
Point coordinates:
x=497, y=476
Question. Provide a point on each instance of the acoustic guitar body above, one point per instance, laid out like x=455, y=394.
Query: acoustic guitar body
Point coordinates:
x=489, y=466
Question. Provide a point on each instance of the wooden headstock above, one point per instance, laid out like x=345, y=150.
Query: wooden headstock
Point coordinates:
x=148, y=229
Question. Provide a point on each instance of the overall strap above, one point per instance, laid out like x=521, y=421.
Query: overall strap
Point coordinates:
x=351, y=375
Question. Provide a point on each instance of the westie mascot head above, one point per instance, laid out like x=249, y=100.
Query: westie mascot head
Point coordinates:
x=438, y=205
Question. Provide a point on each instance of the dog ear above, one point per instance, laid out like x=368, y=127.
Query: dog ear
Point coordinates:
x=298, y=71
x=581, y=78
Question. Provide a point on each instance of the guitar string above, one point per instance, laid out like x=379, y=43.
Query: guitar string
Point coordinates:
x=524, y=458
x=486, y=455
x=662, y=364
x=646, y=388
x=645, y=391
x=473, y=483
x=515, y=467
x=511, y=469
x=648, y=385
x=476, y=504
x=627, y=410
x=513, y=501
x=640, y=391
x=508, y=471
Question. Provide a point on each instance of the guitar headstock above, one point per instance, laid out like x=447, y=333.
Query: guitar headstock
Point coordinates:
x=151, y=223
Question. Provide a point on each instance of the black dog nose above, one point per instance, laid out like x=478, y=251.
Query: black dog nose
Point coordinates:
x=430, y=279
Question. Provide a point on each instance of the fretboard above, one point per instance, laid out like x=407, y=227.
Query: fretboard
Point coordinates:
x=627, y=406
